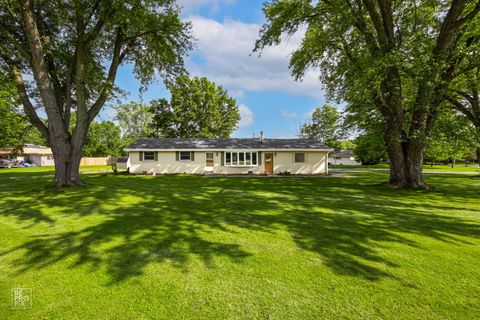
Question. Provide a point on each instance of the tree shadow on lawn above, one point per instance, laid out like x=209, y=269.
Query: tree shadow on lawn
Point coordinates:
x=178, y=219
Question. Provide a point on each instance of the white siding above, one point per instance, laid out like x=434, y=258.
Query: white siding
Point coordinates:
x=315, y=163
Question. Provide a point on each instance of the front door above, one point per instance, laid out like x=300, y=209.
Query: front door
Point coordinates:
x=209, y=159
x=269, y=163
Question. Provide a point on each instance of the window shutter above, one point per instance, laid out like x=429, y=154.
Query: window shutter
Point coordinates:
x=140, y=156
x=222, y=160
x=259, y=158
x=156, y=156
x=192, y=155
x=177, y=155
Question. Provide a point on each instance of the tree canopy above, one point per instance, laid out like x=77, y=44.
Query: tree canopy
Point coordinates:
x=64, y=56
x=453, y=137
x=12, y=124
x=394, y=57
x=197, y=109
x=103, y=139
x=325, y=126
x=135, y=121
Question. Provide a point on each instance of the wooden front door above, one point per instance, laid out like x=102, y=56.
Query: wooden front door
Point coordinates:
x=209, y=159
x=269, y=163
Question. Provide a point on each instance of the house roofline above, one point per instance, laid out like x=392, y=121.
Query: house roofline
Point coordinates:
x=230, y=149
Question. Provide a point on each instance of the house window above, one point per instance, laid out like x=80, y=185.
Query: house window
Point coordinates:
x=148, y=155
x=241, y=159
x=185, y=155
x=228, y=158
x=299, y=157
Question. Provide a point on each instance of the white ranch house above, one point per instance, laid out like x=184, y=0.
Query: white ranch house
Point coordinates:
x=227, y=156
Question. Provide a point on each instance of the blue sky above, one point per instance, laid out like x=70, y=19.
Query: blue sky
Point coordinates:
x=269, y=98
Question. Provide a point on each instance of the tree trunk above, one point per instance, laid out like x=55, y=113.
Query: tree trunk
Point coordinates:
x=414, y=164
x=67, y=163
x=397, y=161
x=406, y=159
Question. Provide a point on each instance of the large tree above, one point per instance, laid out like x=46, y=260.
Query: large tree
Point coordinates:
x=64, y=56
x=397, y=57
x=325, y=126
x=198, y=108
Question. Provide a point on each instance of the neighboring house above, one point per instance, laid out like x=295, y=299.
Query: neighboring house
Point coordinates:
x=7, y=153
x=38, y=155
x=228, y=156
x=345, y=157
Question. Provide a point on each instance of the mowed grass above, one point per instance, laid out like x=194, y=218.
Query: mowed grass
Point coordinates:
x=472, y=168
x=193, y=247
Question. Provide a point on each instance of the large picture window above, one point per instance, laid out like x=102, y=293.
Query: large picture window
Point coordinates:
x=241, y=159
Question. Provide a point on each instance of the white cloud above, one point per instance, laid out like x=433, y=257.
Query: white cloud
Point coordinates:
x=225, y=52
x=289, y=114
x=246, y=116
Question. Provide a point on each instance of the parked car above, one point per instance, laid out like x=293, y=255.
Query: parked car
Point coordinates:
x=4, y=163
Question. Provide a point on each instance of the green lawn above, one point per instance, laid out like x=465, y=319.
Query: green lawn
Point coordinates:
x=426, y=168
x=192, y=247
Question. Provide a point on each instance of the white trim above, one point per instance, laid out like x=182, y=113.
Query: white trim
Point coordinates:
x=231, y=150
x=238, y=159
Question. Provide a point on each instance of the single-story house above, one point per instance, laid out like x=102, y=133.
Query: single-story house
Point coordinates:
x=345, y=157
x=227, y=156
x=38, y=155
x=7, y=153
x=35, y=154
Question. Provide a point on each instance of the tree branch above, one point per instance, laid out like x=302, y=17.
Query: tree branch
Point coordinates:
x=22, y=93
x=108, y=86
x=362, y=26
x=470, y=15
x=449, y=28
x=460, y=107
x=377, y=22
x=15, y=43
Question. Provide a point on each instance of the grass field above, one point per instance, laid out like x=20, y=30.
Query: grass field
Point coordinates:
x=426, y=168
x=193, y=247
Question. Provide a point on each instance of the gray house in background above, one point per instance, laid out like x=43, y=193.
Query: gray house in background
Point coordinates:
x=345, y=157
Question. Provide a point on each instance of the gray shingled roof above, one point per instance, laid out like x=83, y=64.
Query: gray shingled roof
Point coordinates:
x=225, y=143
x=344, y=153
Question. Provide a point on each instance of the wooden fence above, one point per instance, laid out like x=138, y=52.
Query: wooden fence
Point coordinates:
x=100, y=161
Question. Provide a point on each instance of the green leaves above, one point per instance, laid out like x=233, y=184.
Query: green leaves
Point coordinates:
x=12, y=124
x=103, y=139
x=326, y=126
x=197, y=109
